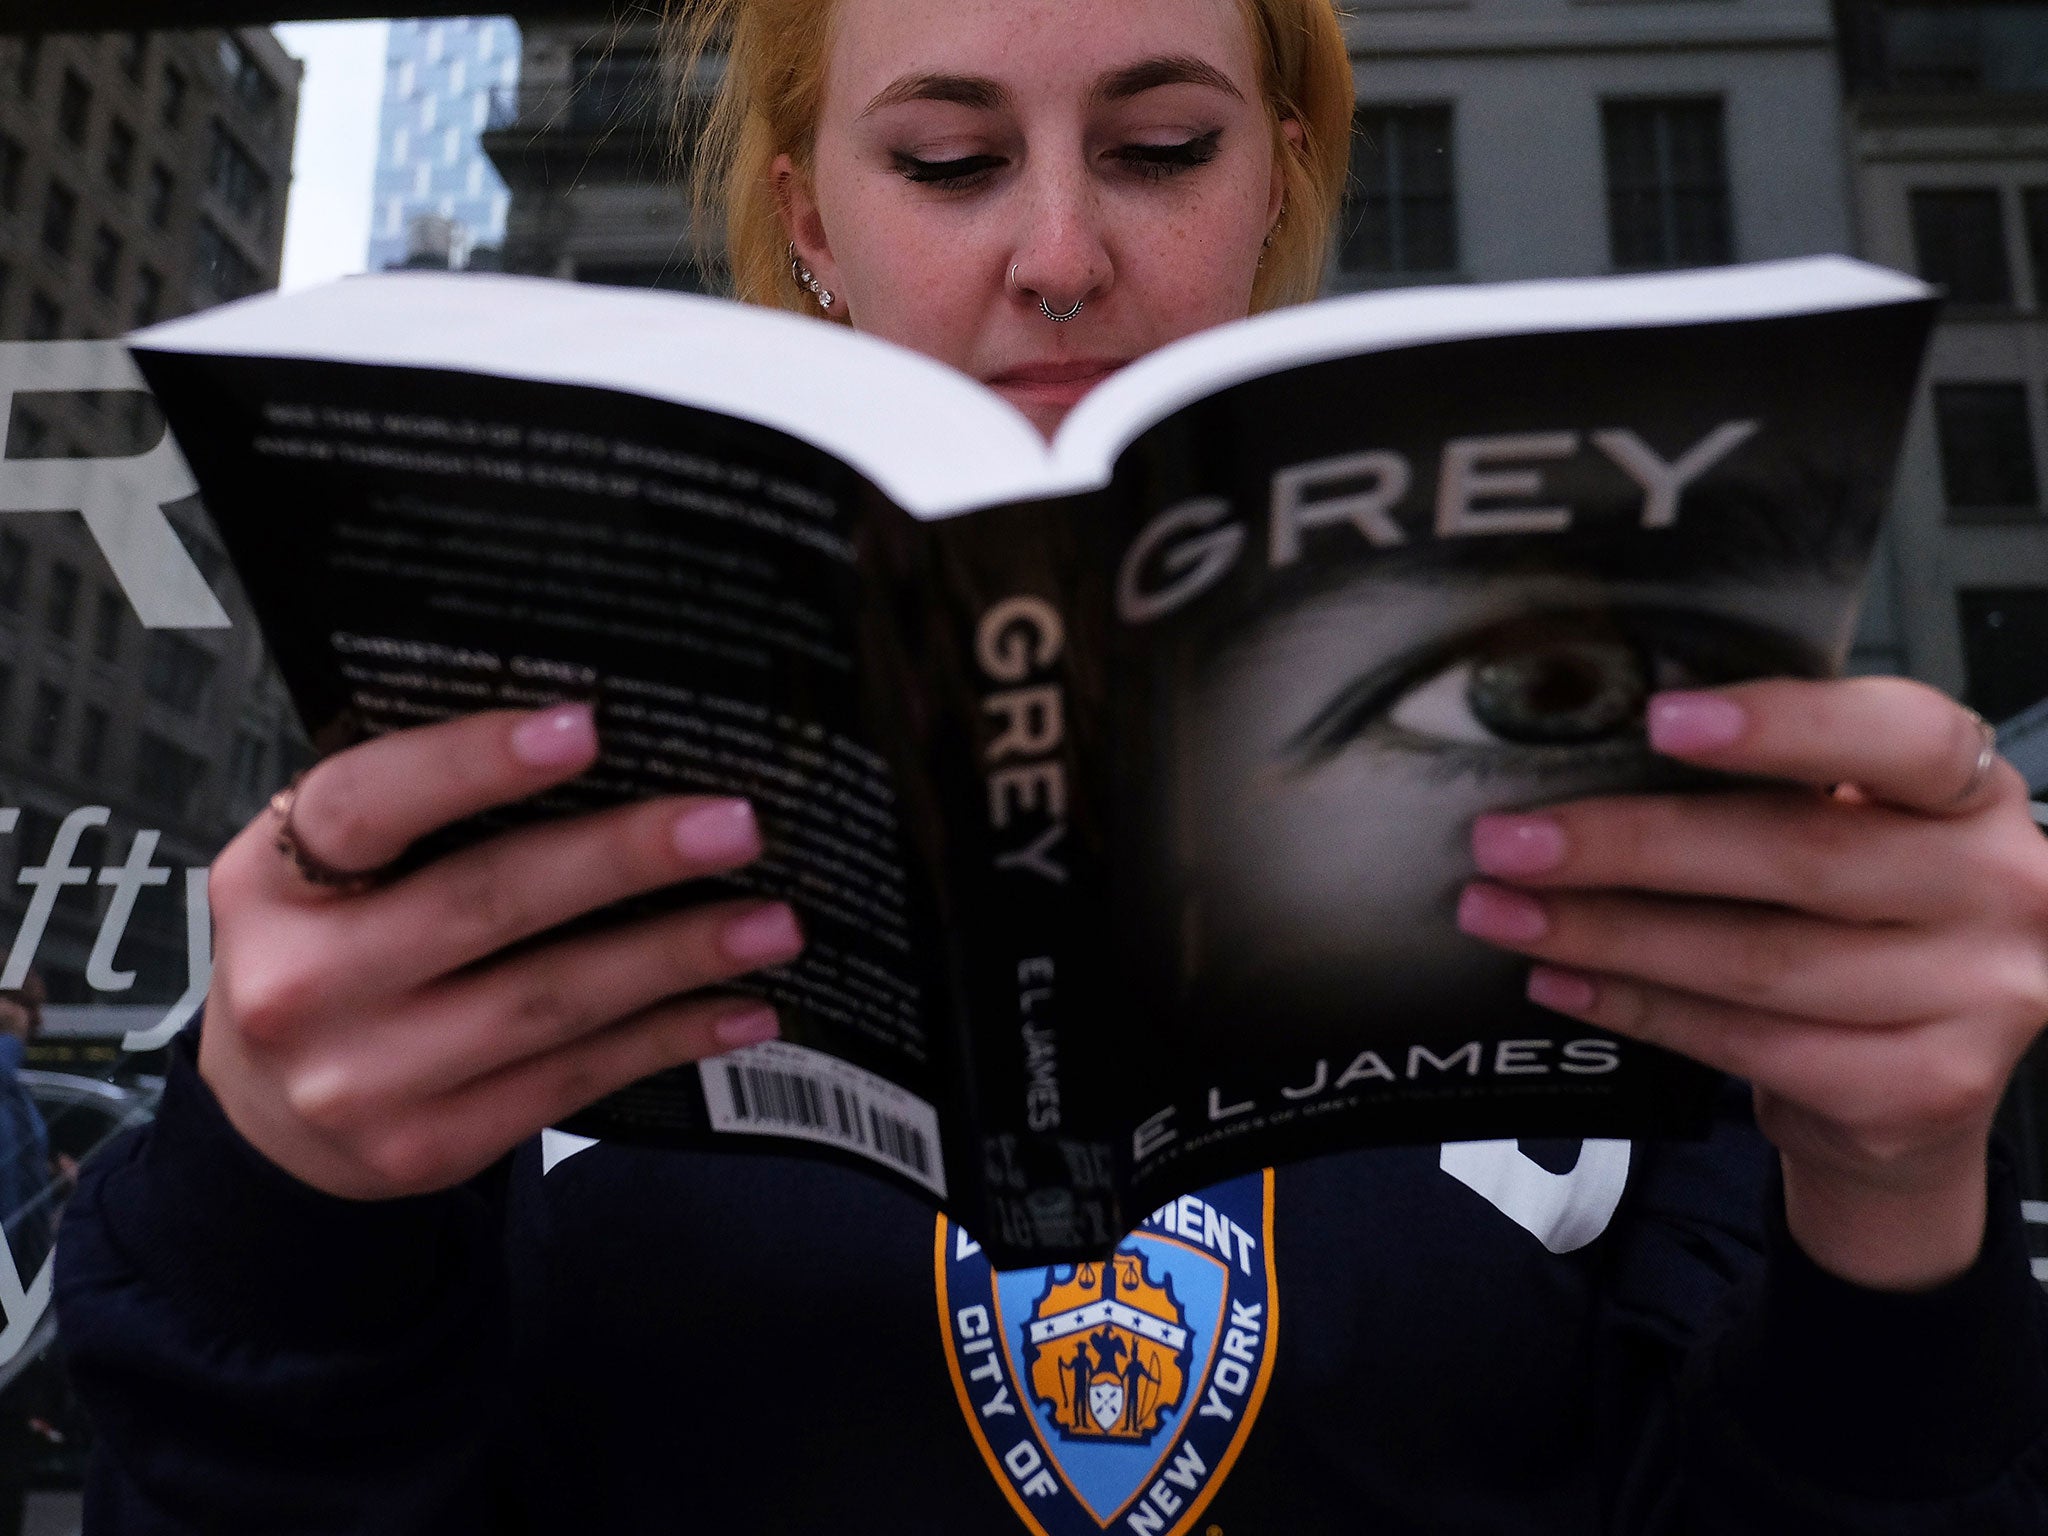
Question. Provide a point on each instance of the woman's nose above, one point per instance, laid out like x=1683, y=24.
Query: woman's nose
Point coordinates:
x=1060, y=258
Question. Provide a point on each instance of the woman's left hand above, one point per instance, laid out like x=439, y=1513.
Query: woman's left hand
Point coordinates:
x=1874, y=961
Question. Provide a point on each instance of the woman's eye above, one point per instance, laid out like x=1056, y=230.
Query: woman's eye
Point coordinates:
x=1156, y=162
x=1564, y=692
x=945, y=172
x=1548, y=687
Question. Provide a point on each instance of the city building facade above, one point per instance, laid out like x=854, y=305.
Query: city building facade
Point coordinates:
x=1948, y=131
x=586, y=143
x=142, y=175
x=437, y=193
x=1504, y=139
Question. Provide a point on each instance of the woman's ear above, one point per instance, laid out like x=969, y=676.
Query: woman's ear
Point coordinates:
x=1290, y=129
x=805, y=228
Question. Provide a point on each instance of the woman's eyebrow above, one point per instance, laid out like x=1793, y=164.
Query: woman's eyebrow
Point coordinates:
x=961, y=90
x=1166, y=69
x=985, y=95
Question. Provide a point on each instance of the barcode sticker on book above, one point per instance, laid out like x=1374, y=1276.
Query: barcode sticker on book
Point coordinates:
x=780, y=1089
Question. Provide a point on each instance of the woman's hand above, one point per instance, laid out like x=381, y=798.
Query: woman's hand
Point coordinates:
x=1874, y=961
x=377, y=1044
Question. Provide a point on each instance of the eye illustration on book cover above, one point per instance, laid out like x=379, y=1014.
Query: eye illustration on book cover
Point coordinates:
x=1123, y=783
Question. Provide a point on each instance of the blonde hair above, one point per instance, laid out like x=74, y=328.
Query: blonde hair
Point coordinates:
x=773, y=89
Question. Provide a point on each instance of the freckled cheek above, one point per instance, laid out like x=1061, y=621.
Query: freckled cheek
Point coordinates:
x=918, y=293
x=1195, y=278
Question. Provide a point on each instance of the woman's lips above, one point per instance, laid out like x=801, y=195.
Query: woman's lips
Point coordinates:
x=1062, y=383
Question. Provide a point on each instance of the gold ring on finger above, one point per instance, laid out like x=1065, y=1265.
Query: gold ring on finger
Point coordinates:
x=313, y=870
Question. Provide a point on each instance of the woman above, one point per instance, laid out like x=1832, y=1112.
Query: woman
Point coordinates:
x=313, y=1297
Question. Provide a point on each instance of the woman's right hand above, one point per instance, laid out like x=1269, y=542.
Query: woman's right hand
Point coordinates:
x=376, y=1044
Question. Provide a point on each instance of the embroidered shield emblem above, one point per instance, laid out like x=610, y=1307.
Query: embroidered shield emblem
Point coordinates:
x=1106, y=1348
x=1118, y=1393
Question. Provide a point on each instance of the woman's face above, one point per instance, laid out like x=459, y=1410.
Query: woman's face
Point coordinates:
x=976, y=156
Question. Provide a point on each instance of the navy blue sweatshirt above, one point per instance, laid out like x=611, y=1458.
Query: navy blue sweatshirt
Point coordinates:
x=1545, y=1338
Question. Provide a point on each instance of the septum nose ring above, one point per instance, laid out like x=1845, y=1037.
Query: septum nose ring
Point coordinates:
x=1043, y=307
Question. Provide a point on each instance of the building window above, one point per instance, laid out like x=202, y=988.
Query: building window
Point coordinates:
x=142, y=422
x=13, y=570
x=106, y=261
x=252, y=758
x=60, y=218
x=134, y=55
x=13, y=158
x=163, y=191
x=1987, y=450
x=176, y=671
x=45, y=720
x=224, y=270
x=28, y=435
x=2005, y=648
x=175, y=89
x=1400, y=215
x=1950, y=47
x=106, y=625
x=1667, y=184
x=92, y=739
x=60, y=613
x=166, y=775
x=617, y=89
x=242, y=184
x=255, y=91
x=149, y=295
x=27, y=63
x=120, y=162
x=74, y=107
x=2034, y=208
x=45, y=318
x=1959, y=242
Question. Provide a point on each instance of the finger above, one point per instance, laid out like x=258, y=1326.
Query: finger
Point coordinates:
x=475, y=902
x=1754, y=957
x=462, y=1132
x=1789, y=847
x=1856, y=1078
x=540, y=1003
x=1901, y=742
x=361, y=809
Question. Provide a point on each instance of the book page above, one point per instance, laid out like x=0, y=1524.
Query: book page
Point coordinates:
x=1155, y=387
x=930, y=437
x=420, y=544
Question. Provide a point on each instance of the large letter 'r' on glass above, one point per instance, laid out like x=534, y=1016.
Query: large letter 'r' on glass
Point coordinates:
x=122, y=500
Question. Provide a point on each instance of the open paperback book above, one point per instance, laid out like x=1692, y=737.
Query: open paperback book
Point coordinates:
x=1123, y=784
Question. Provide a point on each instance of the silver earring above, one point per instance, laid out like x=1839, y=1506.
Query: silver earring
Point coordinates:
x=805, y=279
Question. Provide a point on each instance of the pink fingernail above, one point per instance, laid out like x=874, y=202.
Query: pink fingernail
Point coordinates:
x=1501, y=916
x=1564, y=991
x=556, y=737
x=766, y=936
x=1682, y=723
x=722, y=833
x=1517, y=845
x=744, y=1029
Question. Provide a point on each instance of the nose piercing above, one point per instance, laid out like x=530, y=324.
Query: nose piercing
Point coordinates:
x=1043, y=307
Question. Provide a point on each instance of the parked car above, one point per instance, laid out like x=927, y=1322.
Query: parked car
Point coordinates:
x=44, y=1434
